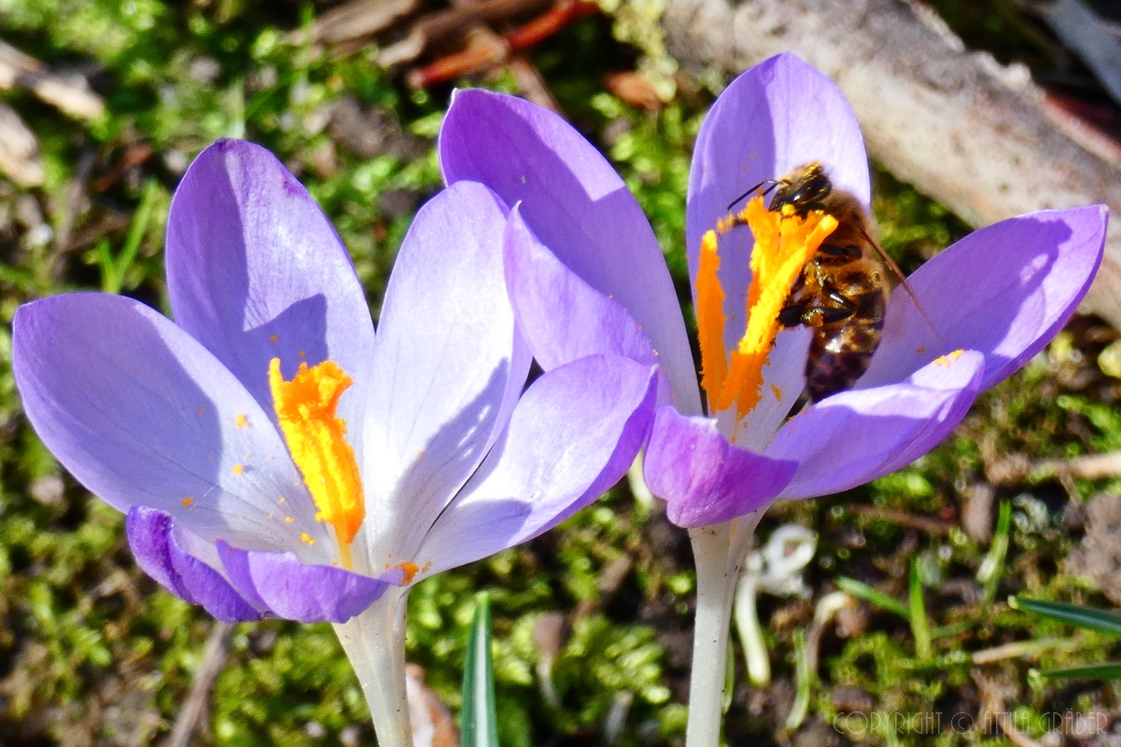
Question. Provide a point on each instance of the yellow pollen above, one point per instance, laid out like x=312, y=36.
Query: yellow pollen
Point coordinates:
x=188, y=501
x=288, y=519
x=307, y=538
x=241, y=421
x=238, y=469
x=273, y=338
x=305, y=408
x=946, y=360
x=784, y=242
x=775, y=390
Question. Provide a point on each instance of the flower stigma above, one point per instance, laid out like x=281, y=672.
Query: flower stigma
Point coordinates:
x=784, y=242
x=305, y=408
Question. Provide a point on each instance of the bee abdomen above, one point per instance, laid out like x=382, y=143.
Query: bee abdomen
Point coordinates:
x=839, y=355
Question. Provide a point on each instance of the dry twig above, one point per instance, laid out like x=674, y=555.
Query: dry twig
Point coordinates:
x=70, y=95
x=213, y=660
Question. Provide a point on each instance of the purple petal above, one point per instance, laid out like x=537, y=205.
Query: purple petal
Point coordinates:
x=777, y=116
x=577, y=205
x=575, y=432
x=255, y=271
x=1004, y=290
x=151, y=535
x=279, y=583
x=449, y=365
x=859, y=435
x=703, y=478
x=143, y=415
x=561, y=316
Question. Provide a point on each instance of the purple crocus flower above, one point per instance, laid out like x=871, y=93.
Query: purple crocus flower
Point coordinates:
x=587, y=277
x=275, y=457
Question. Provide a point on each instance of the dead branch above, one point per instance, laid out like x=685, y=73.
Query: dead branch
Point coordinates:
x=976, y=136
x=70, y=95
x=19, y=150
x=358, y=19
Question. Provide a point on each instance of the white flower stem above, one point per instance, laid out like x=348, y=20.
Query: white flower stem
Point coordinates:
x=718, y=551
x=374, y=642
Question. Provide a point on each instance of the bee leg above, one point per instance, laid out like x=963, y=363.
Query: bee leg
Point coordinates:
x=841, y=252
x=839, y=309
x=791, y=316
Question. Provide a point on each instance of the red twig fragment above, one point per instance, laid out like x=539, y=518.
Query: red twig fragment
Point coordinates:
x=564, y=13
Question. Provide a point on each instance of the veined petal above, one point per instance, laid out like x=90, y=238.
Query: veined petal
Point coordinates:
x=448, y=369
x=151, y=535
x=574, y=433
x=1004, y=290
x=704, y=478
x=561, y=316
x=777, y=116
x=255, y=271
x=856, y=436
x=142, y=415
x=280, y=584
x=577, y=205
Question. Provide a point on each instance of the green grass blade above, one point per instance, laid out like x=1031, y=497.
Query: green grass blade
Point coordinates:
x=1103, y=621
x=920, y=628
x=861, y=590
x=1108, y=671
x=480, y=715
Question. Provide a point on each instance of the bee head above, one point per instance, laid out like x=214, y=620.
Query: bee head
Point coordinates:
x=804, y=189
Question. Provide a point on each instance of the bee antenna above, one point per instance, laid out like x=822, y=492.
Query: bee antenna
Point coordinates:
x=772, y=182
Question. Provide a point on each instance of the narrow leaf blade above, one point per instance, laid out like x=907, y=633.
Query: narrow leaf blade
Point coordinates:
x=1103, y=621
x=480, y=714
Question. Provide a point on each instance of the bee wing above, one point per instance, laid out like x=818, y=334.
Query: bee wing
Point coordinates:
x=895, y=270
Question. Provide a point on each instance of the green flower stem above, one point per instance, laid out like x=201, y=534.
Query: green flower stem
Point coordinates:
x=374, y=642
x=719, y=552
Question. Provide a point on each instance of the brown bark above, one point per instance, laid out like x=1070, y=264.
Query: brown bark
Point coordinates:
x=974, y=135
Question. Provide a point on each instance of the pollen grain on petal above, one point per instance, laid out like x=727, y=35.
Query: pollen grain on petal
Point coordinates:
x=408, y=570
x=238, y=469
x=273, y=338
x=306, y=538
x=241, y=421
x=187, y=502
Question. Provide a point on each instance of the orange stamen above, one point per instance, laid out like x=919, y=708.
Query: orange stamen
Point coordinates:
x=709, y=308
x=784, y=242
x=305, y=408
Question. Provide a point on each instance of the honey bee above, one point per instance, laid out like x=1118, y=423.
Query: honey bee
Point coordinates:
x=842, y=291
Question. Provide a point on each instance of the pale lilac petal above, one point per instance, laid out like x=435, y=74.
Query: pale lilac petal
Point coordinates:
x=255, y=271
x=777, y=116
x=703, y=478
x=861, y=434
x=151, y=535
x=577, y=206
x=449, y=365
x=142, y=415
x=279, y=583
x=574, y=433
x=1004, y=290
x=561, y=316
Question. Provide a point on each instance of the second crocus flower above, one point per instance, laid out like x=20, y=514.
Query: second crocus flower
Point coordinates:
x=276, y=457
x=587, y=277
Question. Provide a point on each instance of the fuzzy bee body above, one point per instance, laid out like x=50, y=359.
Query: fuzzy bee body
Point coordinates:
x=842, y=291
